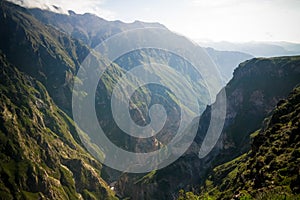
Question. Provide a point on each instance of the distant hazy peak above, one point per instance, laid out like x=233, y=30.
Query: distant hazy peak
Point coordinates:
x=258, y=49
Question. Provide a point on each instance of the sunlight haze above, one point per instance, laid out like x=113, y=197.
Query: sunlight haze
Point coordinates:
x=222, y=20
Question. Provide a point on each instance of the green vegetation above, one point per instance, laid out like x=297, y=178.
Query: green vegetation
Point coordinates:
x=250, y=98
x=270, y=170
x=42, y=156
x=40, y=153
x=41, y=51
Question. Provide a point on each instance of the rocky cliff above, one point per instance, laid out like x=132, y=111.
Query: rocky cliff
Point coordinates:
x=256, y=87
x=270, y=169
x=41, y=154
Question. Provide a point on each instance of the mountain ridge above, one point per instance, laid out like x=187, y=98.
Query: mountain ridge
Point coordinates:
x=41, y=153
x=270, y=170
x=257, y=49
x=43, y=60
x=250, y=98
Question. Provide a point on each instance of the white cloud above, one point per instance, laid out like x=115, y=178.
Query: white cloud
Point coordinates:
x=79, y=6
x=231, y=20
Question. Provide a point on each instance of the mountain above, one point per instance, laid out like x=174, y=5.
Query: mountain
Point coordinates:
x=51, y=57
x=294, y=47
x=93, y=30
x=257, y=49
x=251, y=96
x=227, y=61
x=270, y=170
x=43, y=156
x=41, y=153
x=88, y=28
x=100, y=29
x=40, y=51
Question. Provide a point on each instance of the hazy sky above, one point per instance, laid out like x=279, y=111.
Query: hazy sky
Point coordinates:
x=228, y=20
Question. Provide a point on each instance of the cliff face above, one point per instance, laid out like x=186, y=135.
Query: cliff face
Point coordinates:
x=255, y=89
x=257, y=86
x=41, y=153
x=41, y=156
x=48, y=55
x=270, y=170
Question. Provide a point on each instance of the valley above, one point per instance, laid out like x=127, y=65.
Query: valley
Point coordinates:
x=46, y=154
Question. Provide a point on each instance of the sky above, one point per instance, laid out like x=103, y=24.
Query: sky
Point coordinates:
x=200, y=20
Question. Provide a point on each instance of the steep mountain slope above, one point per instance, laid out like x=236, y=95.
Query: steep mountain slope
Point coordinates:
x=40, y=51
x=41, y=156
x=43, y=49
x=255, y=89
x=53, y=57
x=87, y=27
x=257, y=86
x=92, y=30
x=270, y=170
x=227, y=61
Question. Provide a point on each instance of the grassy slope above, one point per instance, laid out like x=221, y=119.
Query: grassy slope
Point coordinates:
x=40, y=152
x=257, y=86
x=270, y=170
x=40, y=51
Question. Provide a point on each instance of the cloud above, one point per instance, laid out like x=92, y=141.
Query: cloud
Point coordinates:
x=232, y=20
x=62, y=6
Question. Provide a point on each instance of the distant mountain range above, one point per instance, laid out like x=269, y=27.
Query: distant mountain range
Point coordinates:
x=92, y=30
x=253, y=92
x=43, y=155
x=227, y=61
x=257, y=49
